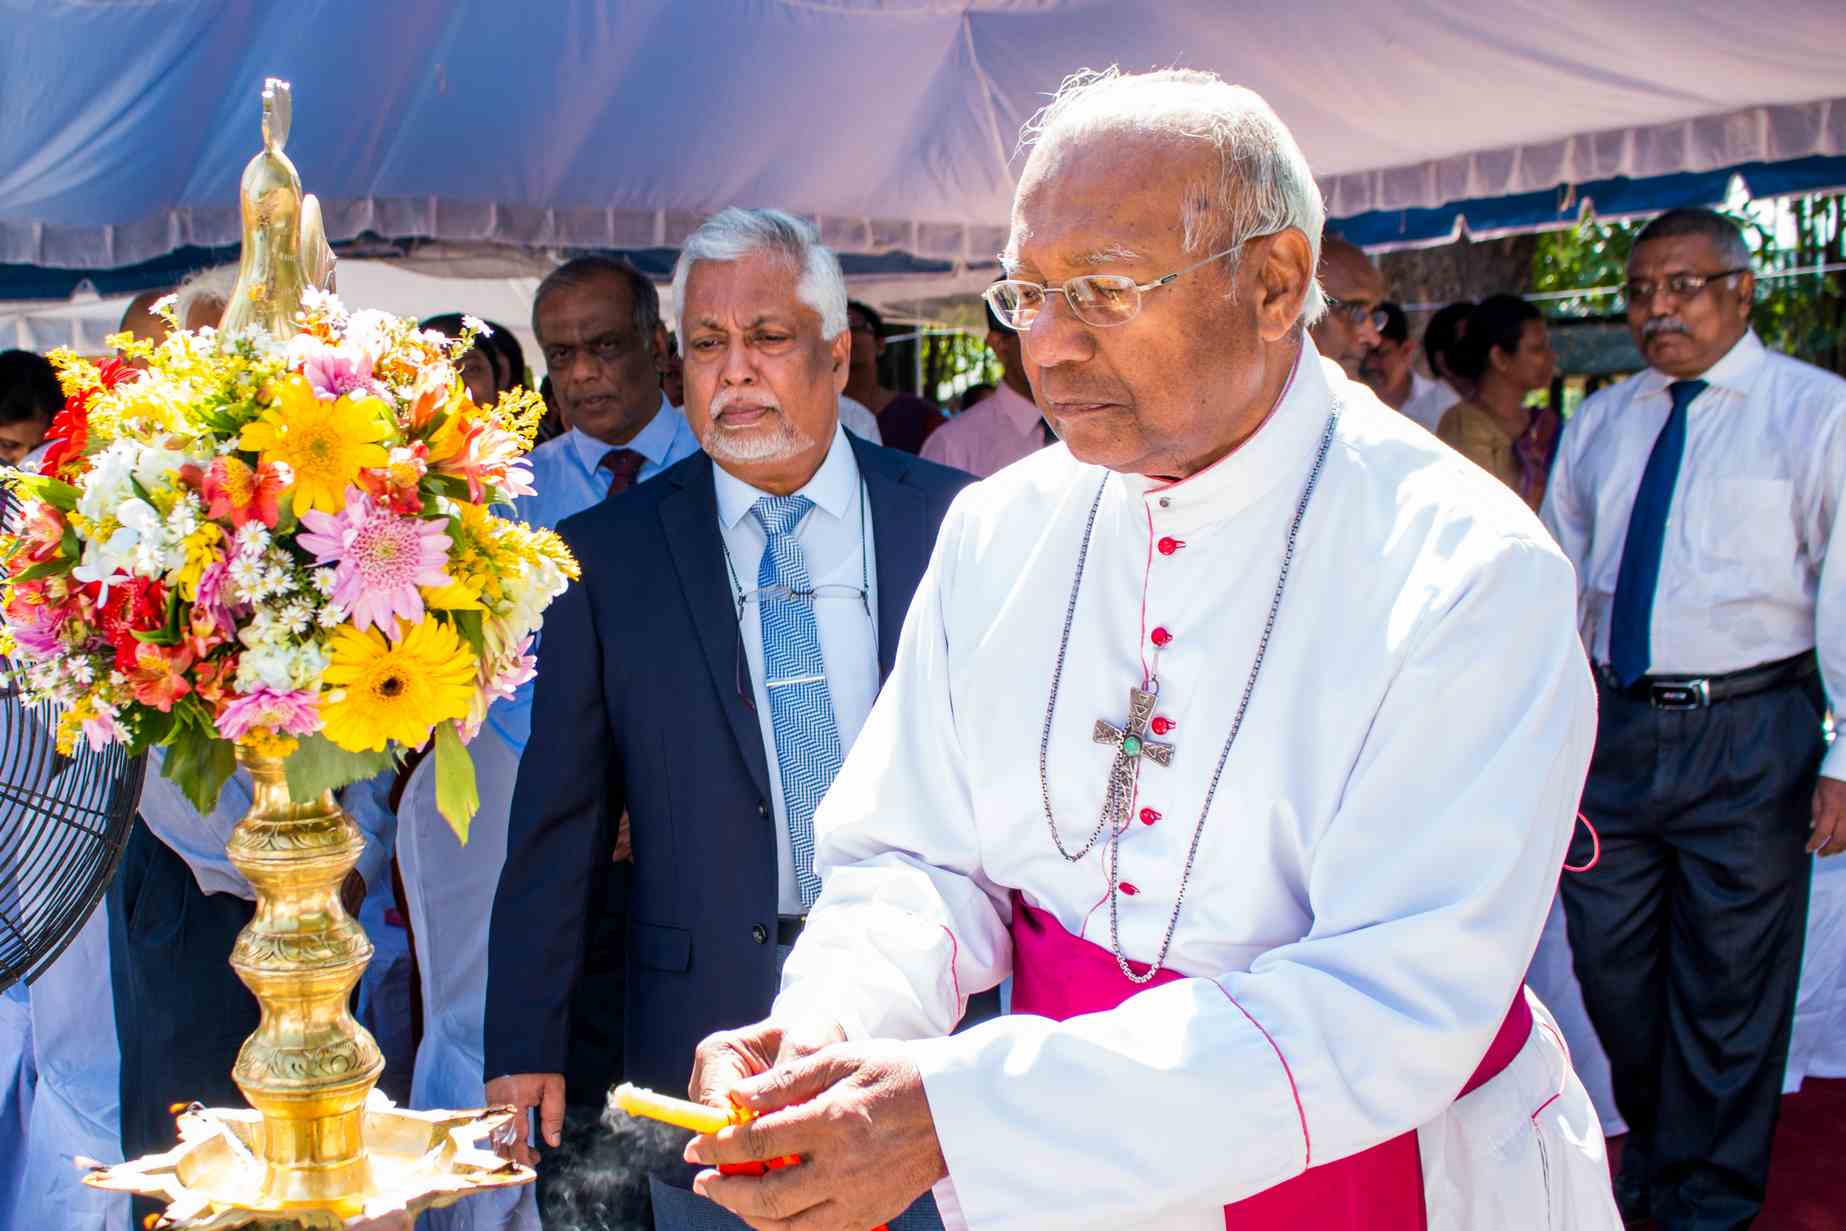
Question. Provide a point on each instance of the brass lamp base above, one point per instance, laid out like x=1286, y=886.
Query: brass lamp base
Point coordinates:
x=214, y=1179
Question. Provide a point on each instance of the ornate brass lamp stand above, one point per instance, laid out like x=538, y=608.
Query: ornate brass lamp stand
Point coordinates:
x=319, y=1150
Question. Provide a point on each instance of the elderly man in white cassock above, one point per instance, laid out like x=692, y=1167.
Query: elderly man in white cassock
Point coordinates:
x=1161, y=745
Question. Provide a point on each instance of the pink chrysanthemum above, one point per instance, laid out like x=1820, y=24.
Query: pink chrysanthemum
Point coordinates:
x=333, y=370
x=382, y=559
x=286, y=713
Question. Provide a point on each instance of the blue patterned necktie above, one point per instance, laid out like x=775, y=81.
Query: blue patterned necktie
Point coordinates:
x=1631, y=617
x=795, y=677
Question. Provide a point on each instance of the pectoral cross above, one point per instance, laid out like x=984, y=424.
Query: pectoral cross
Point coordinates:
x=1131, y=740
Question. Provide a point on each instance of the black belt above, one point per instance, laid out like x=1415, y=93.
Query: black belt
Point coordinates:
x=788, y=928
x=1696, y=692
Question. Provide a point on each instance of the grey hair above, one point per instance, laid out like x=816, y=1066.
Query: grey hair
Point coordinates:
x=1263, y=184
x=1724, y=233
x=733, y=234
x=201, y=286
x=583, y=269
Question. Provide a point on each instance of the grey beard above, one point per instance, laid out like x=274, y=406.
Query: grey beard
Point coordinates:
x=764, y=444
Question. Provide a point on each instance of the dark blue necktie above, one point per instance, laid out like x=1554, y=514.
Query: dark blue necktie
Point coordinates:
x=1632, y=616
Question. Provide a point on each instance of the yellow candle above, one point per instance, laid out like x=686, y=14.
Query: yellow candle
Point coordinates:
x=695, y=1116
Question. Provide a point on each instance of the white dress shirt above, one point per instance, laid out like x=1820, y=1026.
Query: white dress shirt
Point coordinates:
x=858, y=419
x=567, y=470
x=1745, y=576
x=1365, y=898
x=989, y=436
x=836, y=539
x=1428, y=400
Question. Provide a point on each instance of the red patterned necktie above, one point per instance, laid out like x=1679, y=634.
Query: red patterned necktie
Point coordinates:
x=623, y=465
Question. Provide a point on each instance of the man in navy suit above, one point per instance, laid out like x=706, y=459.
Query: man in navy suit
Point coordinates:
x=706, y=676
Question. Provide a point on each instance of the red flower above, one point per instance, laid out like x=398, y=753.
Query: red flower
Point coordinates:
x=232, y=490
x=70, y=432
x=136, y=605
x=158, y=677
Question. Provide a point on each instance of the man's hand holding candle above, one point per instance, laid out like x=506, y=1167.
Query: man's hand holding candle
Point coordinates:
x=856, y=1114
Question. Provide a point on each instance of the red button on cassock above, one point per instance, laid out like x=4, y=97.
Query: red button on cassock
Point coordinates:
x=1160, y=636
x=1163, y=725
x=1168, y=546
x=1129, y=889
x=1149, y=816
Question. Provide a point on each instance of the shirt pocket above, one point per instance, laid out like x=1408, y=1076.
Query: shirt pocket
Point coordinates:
x=1746, y=521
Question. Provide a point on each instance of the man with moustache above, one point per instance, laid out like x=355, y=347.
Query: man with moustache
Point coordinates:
x=1155, y=748
x=732, y=627
x=1697, y=501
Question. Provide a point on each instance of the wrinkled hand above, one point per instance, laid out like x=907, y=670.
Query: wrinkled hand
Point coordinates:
x=727, y=1058
x=1828, y=826
x=858, y=1117
x=525, y=1091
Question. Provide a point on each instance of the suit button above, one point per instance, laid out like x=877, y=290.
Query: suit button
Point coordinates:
x=762, y=807
x=759, y=934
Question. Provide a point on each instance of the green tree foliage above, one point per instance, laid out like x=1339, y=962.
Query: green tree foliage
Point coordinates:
x=1802, y=315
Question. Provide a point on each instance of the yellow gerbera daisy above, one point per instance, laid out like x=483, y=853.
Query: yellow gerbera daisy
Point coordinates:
x=326, y=444
x=396, y=692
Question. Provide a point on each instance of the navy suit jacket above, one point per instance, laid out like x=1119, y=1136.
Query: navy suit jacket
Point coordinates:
x=637, y=708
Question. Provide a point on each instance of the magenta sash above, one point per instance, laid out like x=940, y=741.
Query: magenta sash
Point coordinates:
x=1059, y=976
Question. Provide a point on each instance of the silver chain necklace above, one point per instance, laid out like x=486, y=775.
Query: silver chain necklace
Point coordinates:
x=1119, y=794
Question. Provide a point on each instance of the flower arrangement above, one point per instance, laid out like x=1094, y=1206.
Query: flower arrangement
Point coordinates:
x=285, y=546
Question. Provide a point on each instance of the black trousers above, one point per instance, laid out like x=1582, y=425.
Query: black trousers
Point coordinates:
x=1687, y=935
x=181, y=1013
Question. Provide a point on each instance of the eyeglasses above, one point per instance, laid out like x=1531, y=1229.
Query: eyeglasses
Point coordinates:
x=785, y=594
x=1101, y=301
x=1679, y=286
x=1362, y=313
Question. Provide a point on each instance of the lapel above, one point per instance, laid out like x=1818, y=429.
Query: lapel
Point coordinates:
x=900, y=534
x=690, y=518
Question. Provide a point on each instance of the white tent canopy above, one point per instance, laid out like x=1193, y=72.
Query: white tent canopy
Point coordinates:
x=587, y=124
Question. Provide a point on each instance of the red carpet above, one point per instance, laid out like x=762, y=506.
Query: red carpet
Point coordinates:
x=1807, y=1175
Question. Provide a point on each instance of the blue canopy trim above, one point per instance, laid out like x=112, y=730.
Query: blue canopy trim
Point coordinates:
x=1562, y=206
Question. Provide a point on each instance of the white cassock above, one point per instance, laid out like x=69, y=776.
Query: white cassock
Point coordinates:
x=1371, y=879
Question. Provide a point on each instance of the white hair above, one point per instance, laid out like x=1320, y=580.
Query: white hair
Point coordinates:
x=203, y=286
x=1263, y=184
x=733, y=234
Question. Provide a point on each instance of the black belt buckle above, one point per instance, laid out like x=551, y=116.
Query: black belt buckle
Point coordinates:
x=1680, y=694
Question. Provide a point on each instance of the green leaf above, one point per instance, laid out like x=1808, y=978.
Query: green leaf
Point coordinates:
x=168, y=633
x=321, y=765
x=140, y=490
x=456, y=796
x=46, y=568
x=198, y=765
x=54, y=492
x=70, y=546
x=285, y=514
x=469, y=624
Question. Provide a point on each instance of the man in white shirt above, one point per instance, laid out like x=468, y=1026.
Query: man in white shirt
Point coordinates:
x=1156, y=746
x=733, y=625
x=1698, y=502
x=1431, y=398
x=1002, y=427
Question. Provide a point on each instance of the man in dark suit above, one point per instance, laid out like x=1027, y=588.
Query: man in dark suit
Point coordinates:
x=706, y=676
